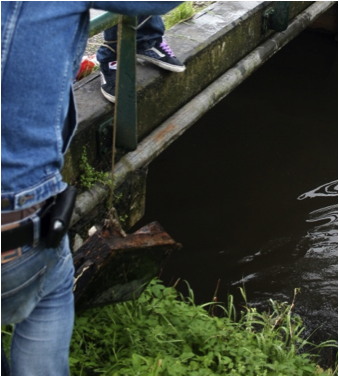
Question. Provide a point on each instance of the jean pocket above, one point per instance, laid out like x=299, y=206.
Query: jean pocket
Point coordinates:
x=63, y=250
x=22, y=294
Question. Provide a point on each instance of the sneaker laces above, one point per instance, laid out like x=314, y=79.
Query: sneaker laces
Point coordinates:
x=166, y=48
x=105, y=44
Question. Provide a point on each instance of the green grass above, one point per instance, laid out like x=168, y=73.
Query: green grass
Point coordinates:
x=164, y=333
x=179, y=14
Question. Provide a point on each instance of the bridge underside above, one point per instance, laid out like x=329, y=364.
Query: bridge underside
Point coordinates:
x=220, y=46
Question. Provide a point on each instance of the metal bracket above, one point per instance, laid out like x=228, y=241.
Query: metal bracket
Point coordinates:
x=105, y=137
x=276, y=18
x=267, y=15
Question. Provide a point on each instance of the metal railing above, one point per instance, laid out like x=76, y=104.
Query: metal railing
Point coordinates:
x=125, y=109
x=102, y=22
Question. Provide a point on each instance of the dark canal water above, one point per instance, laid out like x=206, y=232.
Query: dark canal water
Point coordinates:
x=251, y=192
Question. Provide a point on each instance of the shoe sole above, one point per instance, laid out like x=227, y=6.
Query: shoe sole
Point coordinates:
x=108, y=96
x=161, y=64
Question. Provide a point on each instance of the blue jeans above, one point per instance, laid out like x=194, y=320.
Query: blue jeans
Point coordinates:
x=37, y=295
x=152, y=29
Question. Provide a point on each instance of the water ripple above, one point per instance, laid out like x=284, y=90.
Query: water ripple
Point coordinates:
x=328, y=189
x=329, y=213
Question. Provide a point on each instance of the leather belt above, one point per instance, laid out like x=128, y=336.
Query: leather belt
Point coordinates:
x=50, y=222
x=20, y=233
x=8, y=256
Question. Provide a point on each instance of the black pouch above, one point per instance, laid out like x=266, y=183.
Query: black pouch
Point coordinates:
x=60, y=216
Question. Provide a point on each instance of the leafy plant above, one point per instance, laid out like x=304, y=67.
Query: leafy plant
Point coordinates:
x=164, y=333
x=6, y=336
x=89, y=175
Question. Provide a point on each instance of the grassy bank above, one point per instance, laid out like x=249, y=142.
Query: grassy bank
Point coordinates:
x=164, y=333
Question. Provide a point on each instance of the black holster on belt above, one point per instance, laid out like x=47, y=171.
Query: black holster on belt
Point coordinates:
x=55, y=218
x=60, y=216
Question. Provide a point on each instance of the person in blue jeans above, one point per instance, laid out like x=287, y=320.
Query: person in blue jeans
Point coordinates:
x=151, y=47
x=38, y=120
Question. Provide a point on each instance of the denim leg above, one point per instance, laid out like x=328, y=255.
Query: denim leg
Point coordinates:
x=104, y=54
x=42, y=305
x=152, y=29
x=40, y=345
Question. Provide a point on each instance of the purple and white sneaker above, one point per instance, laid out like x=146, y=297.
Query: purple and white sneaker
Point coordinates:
x=160, y=54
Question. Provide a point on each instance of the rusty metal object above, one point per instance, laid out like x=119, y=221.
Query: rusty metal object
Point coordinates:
x=110, y=268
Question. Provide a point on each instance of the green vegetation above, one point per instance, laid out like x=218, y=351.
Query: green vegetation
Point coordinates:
x=163, y=333
x=89, y=176
x=179, y=14
x=6, y=336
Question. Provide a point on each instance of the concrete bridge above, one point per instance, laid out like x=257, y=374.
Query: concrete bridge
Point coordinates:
x=221, y=46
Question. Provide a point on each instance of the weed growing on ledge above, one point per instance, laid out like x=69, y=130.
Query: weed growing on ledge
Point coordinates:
x=163, y=333
x=89, y=175
x=179, y=14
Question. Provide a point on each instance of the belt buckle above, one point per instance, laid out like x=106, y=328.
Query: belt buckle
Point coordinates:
x=8, y=256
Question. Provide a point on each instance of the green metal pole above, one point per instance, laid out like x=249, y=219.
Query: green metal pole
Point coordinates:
x=125, y=118
x=102, y=22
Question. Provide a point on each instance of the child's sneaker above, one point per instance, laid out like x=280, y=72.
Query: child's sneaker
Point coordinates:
x=108, y=72
x=161, y=55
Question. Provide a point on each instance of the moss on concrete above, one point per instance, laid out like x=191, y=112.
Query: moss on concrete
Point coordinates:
x=130, y=205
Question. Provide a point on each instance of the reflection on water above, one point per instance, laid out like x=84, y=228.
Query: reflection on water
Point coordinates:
x=313, y=268
x=329, y=189
x=324, y=236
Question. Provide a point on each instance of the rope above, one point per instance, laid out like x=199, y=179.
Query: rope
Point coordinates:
x=113, y=220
